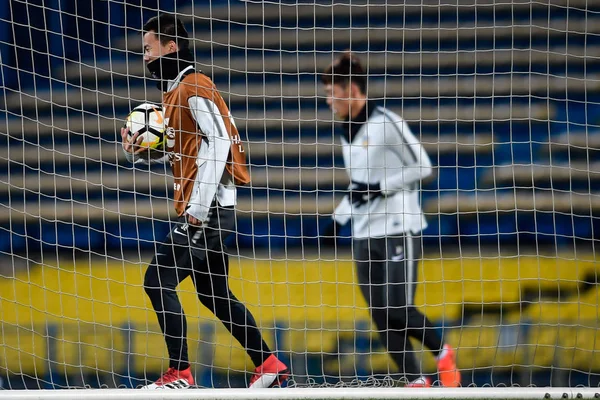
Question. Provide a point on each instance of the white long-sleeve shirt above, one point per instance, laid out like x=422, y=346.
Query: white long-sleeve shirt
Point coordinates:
x=211, y=180
x=384, y=150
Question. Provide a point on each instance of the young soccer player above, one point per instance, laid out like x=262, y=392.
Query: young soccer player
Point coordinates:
x=204, y=150
x=385, y=163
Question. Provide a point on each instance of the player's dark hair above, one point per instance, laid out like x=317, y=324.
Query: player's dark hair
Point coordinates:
x=344, y=70
x=168, y=28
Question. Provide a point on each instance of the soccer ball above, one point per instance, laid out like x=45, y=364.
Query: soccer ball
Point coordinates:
x=147, y=118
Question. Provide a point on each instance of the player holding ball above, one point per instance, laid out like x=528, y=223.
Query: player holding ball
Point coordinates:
x=203, y=148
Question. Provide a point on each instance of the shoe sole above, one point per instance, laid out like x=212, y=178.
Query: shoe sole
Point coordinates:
x=277, y=379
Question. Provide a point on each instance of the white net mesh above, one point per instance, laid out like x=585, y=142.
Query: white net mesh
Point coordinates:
x=503, y=96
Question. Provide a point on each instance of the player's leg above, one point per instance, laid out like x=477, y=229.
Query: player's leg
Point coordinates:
x=403, y=317
x=211, y=281
x=369, y=255
x=401, y=268
x=404, y=254
x=446, y=357
x=170, y=265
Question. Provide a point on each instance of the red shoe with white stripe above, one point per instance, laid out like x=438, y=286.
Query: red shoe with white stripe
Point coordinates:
x=173, y=379
x=271, y=373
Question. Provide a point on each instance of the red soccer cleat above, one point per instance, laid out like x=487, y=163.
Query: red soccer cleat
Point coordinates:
x=271, y=373
x=173, y=379
x=421, y=382
x=449, y=373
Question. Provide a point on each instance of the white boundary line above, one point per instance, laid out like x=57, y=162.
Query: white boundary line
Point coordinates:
x=309, y=393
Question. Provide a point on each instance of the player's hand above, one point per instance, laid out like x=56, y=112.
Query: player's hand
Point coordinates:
x=361, y=193
x=196, y=228
x=132, y=145
x=194, y=221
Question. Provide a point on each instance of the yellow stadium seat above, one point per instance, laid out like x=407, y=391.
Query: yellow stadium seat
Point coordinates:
x=447, y=284
x=579, y=308
x=317, y=302
x=586, y=350
x=149, y=352
x=482, y=344
x=24, y=351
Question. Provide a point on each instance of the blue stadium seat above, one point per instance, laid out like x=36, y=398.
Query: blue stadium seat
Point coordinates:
x=504, y=78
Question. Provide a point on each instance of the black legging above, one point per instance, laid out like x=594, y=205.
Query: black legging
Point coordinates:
x=206, y=261
x=387, y=276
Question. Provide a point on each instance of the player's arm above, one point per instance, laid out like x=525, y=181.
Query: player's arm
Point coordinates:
x=136, y=153
x=339, y=218
x=343, y=211
x=212, y=157
x=416, y=164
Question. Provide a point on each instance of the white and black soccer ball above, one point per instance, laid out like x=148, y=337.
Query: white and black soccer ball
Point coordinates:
x=147, y=119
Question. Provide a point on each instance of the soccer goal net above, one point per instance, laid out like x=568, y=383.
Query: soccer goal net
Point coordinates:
x=502, y=97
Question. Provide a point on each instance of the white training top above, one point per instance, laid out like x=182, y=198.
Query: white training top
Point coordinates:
x=385, y=151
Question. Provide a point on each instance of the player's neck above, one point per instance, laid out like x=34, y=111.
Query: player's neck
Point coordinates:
x=357, y=107
x=169, y=66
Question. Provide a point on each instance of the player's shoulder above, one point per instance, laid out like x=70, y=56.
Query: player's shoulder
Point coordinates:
x=197, y=76
x=383, y=114
x=198, y=80
x=379, y=117
x=392, y=124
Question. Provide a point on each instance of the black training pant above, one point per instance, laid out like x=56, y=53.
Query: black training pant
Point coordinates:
x=387, y=275
x=201, y=254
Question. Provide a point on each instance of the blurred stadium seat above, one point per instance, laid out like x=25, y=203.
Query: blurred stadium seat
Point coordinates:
x=507, y=109
x=497, y=85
